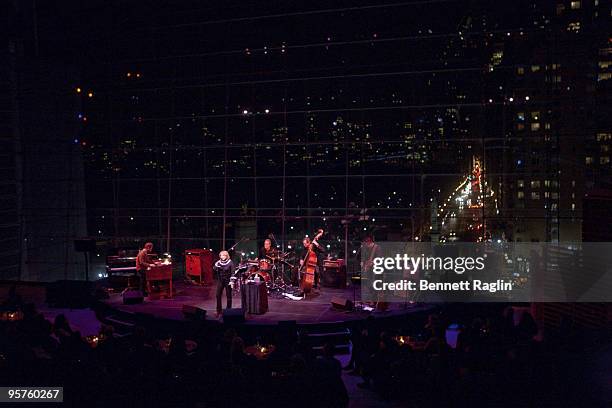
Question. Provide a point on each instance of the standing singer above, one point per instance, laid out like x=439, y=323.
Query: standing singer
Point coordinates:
x=224, y=269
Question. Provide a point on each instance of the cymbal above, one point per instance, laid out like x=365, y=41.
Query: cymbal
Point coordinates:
x=275, y=258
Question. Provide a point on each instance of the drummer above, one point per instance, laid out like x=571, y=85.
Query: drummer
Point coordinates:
x=268, y=252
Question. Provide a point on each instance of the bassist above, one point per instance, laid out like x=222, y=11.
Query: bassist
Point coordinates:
x=309, y=262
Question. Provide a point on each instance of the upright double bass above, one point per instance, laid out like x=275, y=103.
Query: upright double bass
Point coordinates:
x=309, y=266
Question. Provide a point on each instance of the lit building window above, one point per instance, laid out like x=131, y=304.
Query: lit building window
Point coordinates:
x=520, y=195
x=535, y=195
x=560, y=9
x=535, y=184
x=546, y=183
x=520, y=183
x=604, y=76
x=588, y=160
x=535, y=68
x=604, y=160
x=555, y=195
x=574, y=27
x=604, y=136
x=535, y=126
x=520, y=71
x=575, y=5
x=546, y=194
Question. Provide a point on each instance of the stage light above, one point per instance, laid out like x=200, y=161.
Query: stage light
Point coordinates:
x=267, y=110
x=245, y=112
x=78, y=90
x=511, y=99
x=526, y=98
x=129, y=74
x=90, y=94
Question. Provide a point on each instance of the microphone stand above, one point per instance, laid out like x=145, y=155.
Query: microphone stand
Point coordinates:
x=274, y=269
x=236, y=244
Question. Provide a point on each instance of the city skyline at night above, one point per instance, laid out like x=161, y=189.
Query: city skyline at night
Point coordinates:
x=365, y=113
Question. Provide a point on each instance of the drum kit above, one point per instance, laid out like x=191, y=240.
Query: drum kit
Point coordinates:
x=269, y=270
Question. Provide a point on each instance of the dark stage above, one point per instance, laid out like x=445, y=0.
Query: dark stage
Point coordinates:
x=315, y=309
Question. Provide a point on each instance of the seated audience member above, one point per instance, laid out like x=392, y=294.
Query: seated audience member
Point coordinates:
x=61, y=327
x=331, y=391
x=13, y=300
x=376, y=367
x=527, y=327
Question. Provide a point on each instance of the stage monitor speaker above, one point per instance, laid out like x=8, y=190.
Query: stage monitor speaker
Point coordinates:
x=194, y=313
x=342, y=303
x=132, y=297
x=233, y=316
x=85, y=245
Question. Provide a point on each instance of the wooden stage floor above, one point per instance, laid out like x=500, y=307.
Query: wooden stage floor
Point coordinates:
x=315, y=309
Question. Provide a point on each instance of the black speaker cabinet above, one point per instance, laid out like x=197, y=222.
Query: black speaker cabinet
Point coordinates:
x=233, y=316
x=334, y=274
x=132, y=297
x=194, y=313
x=342, y=303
